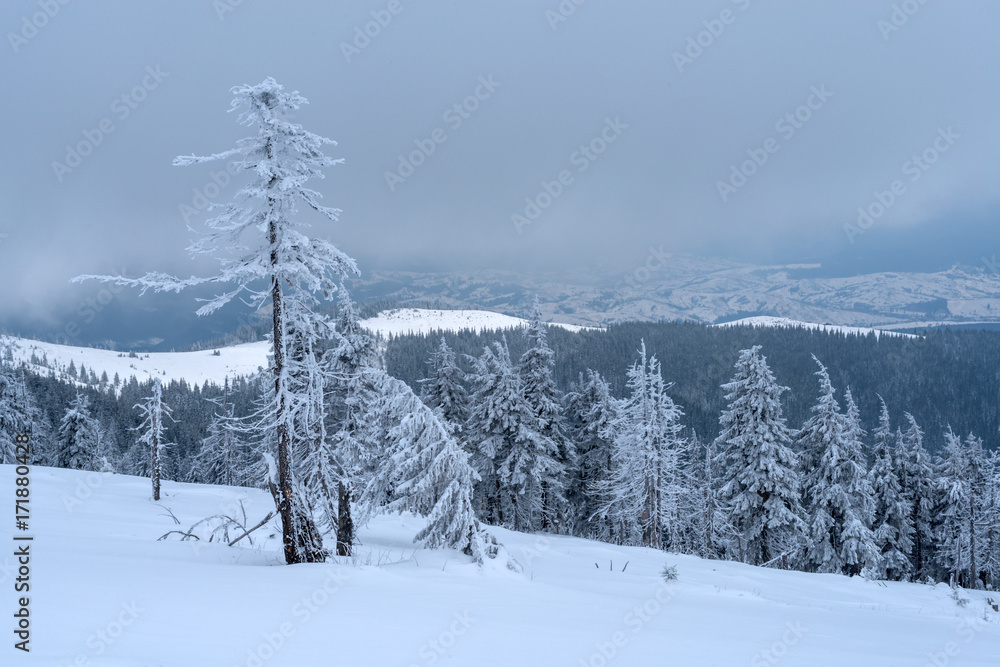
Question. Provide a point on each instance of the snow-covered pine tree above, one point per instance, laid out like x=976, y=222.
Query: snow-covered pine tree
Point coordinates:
x=991, y=520
x=641, y=493
x=708, y=525
x=444, y=389
x=591, y=411
x=960, y=529
x=422, y=467
x=891, y=521
x=917, y=480
x=760, y=482
x=544, y=400
x=353, y=449
x=512, y=457
x=17, y=411
x=977, y=518
x=837, y=494
x=154, y=412
x=223, y=455
x=105, y=457
x=258, y=238
x=77, y=436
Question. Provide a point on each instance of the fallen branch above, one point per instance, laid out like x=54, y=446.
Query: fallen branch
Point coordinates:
x=263, y=521
x=179, y=532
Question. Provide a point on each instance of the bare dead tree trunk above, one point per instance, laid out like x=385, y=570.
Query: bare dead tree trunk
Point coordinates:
x=154, y=464
x=345, y=524
x=973, y=570
x=284, y=491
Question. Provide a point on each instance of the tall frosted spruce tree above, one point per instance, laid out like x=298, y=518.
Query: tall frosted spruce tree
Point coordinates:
x=760, y=482
x=267, y=260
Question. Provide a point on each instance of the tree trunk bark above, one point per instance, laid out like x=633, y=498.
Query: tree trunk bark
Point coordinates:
x=345, y=524
x=154, y=464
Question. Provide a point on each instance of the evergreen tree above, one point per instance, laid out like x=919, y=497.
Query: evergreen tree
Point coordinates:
x=991, y=520
x=513, y=457
x=223, y=456
x=640, y=496
x=17, y=412
x=77, y=436
x=353, y=450
x=892, y=523
x=837, y=493
x=591, y=412
x=960, y=534
x=544, y=401
x=917, y=480
x=257, y=239
x=423, y=469
x=444, y=390
x=760, y=483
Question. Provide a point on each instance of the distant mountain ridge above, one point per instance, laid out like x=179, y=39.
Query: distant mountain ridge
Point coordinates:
x=683, y=287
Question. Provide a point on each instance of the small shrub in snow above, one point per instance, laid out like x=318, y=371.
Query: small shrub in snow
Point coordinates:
x=669, y=573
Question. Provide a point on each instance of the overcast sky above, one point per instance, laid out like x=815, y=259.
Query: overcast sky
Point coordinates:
x=668, y=96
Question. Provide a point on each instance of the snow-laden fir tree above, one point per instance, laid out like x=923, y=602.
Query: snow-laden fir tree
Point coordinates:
x=860, y=552
x=17, y=411
x=591, y=410
x=105, y=458
x=154, y=413
x=444, y=389
x=353, y=449
x=916, y=476
x=891, y=522
x=513, y=458
x=991, y=520
x=223, y=457
x=422, y=467
x=836, y=491
x=545, y=401
x=267, y=259
x=708, y=526
x=960, y=536
x=641, y=494
x=77, y=436
x=760, y=482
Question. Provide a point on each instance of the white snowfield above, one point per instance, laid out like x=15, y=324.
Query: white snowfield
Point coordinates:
x=104, y=591
x=768, y=321
x=246, y=359
x=195, y=367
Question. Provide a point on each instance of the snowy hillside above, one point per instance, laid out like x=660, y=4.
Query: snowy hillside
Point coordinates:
x=199, y=367
x=104, y=591
x=425, y=321
x=195, y=367
x=765, y=321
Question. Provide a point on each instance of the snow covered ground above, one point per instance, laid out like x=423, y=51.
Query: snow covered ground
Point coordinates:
x=767, y=321
x=104, y=591
x=198, y=367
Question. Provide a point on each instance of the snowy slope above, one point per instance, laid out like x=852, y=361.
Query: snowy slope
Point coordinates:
x=246, y=359
x=424, y=321
x=195, y=367
x=765, y=321
x=106, y=592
